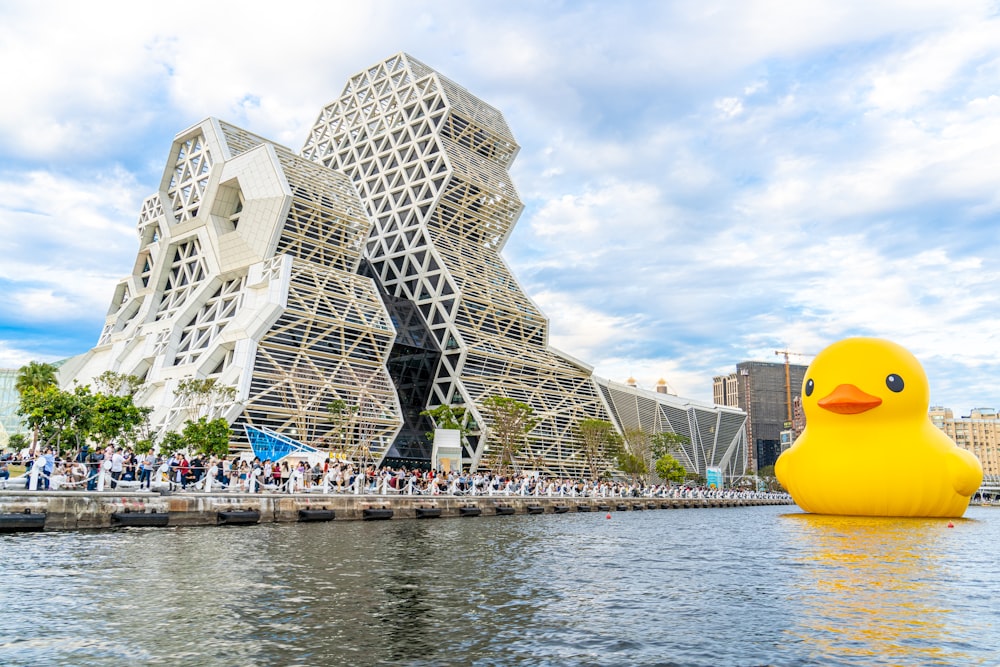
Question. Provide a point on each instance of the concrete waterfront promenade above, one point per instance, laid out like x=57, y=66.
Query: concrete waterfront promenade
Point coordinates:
x=73, y=510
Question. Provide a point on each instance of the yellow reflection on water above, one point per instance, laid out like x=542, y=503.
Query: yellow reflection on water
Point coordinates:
x=872, y=588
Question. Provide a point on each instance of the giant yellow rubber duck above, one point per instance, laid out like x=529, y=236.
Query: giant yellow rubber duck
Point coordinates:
x=869, y=447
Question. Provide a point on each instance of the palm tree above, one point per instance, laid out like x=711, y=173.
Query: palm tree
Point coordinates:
x=36, y=376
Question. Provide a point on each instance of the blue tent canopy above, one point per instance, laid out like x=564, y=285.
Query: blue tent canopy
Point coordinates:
x=268, y=444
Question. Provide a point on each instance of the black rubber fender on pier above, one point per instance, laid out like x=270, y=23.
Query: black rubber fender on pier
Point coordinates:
x=238, y=517
x=428, y=512
x=23, y=522
x=140, y=519
x=316, y=515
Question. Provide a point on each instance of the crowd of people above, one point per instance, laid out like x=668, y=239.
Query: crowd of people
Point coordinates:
x=121, y=468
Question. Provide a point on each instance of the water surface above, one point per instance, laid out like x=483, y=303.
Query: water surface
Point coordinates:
x=742, y=586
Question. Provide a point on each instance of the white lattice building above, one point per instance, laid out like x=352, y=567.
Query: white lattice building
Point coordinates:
x=430, y=162
x=266, y=271
x=247, y=273
x=716, y=436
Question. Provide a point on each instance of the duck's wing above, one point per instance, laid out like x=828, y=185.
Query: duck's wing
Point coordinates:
x=781, y=467
x=965, y=470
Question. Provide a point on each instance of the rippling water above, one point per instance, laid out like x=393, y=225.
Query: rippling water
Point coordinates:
x=748, y=586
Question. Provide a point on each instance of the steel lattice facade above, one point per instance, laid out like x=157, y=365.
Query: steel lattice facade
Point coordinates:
x=716, y=436
x=10, y=421
x=247, y=273
x=368, y=269
x=430, y=162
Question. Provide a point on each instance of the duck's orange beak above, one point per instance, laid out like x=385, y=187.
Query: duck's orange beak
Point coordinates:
x=847, y=399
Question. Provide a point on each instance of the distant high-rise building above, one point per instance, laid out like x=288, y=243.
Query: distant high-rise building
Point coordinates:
x=759, y=388
x=979, y=432
x=726, y=390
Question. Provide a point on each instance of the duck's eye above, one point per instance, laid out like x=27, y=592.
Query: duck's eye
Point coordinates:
x=809, y=387
x=894, y=383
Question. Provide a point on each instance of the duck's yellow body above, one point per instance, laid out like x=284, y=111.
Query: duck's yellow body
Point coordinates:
x=869, y=447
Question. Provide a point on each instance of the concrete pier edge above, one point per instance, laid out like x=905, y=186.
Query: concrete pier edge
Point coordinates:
x=75, y=510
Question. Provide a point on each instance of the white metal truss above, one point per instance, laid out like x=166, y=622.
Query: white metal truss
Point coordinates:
x=430, y=161
x=187, y=271
x=248, y=272
x=190, y=178
x=204, y=327
x=716, y=435
x=258, y=288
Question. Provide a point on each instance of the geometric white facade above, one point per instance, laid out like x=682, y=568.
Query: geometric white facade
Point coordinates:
x=431, y=161
x=716, y=436
x=247, y=273
x=368, y=269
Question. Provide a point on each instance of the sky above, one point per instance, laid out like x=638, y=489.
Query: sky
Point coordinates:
x=704, y=182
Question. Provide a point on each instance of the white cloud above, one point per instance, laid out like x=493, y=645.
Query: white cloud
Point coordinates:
x=65, y=242
x=613, y=214
x=71, y=86
x=704, y=181
x=729, y=106
x=647, y=372
x=581, y=331
x=14, y=357
x=933, y=65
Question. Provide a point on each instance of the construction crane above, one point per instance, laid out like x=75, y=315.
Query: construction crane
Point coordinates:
x=751, y=453
x=788, y=380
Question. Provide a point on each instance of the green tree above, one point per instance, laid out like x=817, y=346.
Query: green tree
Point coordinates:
x=600, y=443
x=202, y=396
x=670, y=469
x=34, y=376
x=510, y=421
x=111, y=383
x=632, y=465
x=207, y=437
x=117, y=419
x=172, y=442
x=447, y=416
x=59, y=418
x=143, y=445
x=68, y=420
x=667, y=445
x=639, y=445
x=340, y=414
x=666, y=442
x=17, y=442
